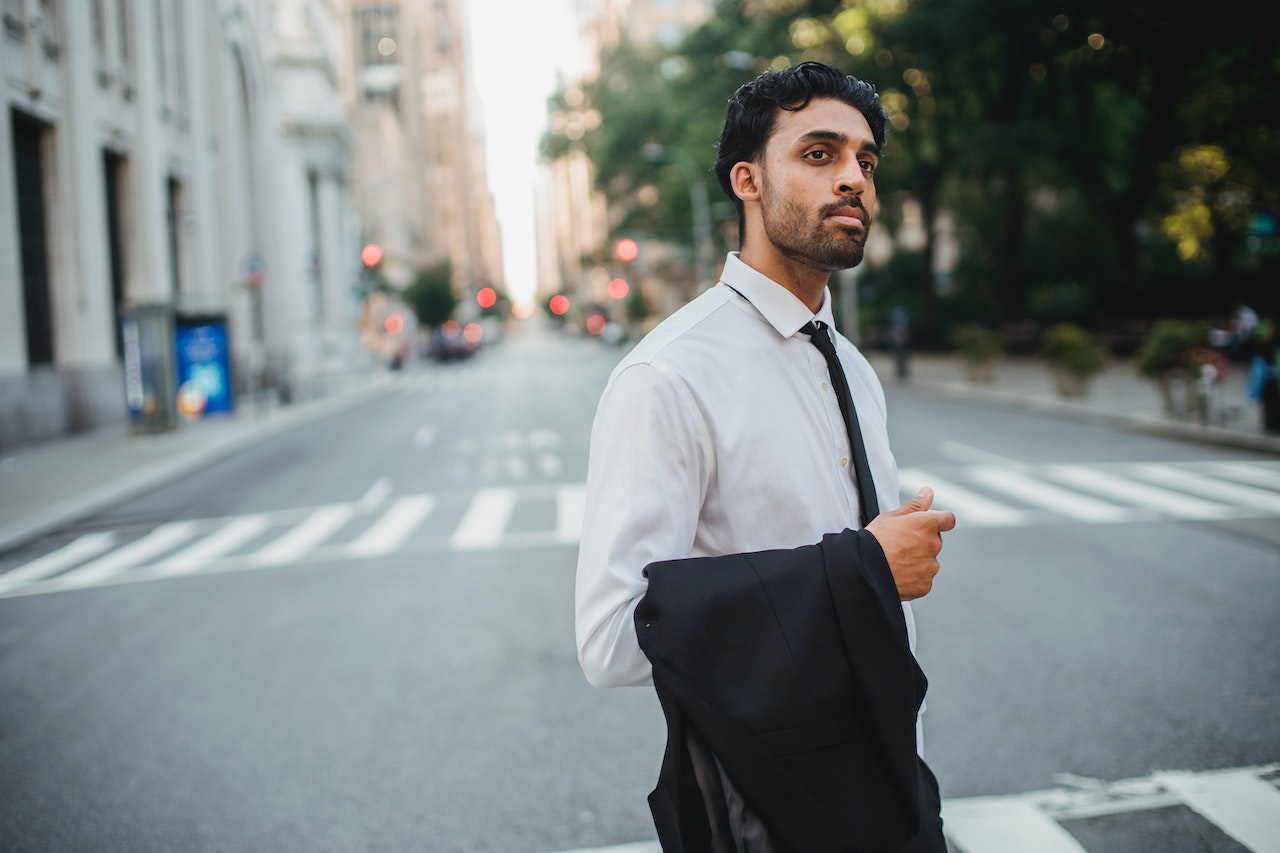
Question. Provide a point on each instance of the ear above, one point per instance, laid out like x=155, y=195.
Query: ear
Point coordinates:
x=744, y=177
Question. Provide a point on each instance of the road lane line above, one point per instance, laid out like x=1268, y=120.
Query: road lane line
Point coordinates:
x=1235, y=493
x=485, y=520
x=310, y=532
x=1003, y=825
x=1237, y=801
x=393, y=528
x=213, y=546
x=1068, y=503
x=162, y=539
x=84, y=548
x=969, y=507
x=1247, y=472
x=571, y=505
x=375, y=496
x=1140, y=494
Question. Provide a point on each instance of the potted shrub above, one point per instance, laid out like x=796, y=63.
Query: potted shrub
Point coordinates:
x=1164, y=357
x=979, y=348
x=1074, y=356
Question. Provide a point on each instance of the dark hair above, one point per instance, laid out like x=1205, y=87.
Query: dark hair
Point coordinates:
x=753, y=112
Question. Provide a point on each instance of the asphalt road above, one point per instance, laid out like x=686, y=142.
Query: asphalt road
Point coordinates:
x=358, y=635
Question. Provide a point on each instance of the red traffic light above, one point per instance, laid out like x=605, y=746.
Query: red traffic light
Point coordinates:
x=618, y=288
x=627, y=249
x=371, y=254
x=486, y=297
x=559, y=304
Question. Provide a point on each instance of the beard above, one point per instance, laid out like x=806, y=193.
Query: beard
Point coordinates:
x=817, y=244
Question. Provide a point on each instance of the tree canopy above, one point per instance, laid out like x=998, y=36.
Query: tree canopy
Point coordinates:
x=1099, y=162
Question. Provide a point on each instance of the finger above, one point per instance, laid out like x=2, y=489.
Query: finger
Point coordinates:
x=921, y=502
x=946, y=519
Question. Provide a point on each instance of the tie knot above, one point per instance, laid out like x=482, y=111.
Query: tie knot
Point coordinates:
x=818, y=336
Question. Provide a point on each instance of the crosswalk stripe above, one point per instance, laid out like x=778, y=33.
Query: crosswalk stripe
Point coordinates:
x=1249, y=496
x=84, y=548
x=485, y=520
x=237, y=532
x=1040, y=493
x=1141, y=494
x=314, y=529
x=1247, y=472
x=969, y=507
x=390, y=531
x=1004, y=825
x=163, y=538
x=571, y=505
x=1242, y=805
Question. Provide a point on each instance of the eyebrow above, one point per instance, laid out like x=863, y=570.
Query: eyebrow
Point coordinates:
x=839, y=138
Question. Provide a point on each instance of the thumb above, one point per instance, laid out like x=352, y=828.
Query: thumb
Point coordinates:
x=921, y=502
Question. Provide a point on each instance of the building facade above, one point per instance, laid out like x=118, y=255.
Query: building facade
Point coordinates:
x=191, y=157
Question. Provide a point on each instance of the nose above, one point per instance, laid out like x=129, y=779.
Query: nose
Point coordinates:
x=850, y=180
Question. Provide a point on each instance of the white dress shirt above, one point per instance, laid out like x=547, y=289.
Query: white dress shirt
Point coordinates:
x=719, y=433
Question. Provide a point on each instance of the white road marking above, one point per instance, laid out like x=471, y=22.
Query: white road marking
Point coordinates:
x=314, y=529
x=958, y=452
x=237, y=532
x=1144, y=496
x=163, y=538
x=85, y=548
x=1241, y=804
x=1246, y=496
x=571, y=505
x=1247, y=472
x=1026, y=487
x=485, y=520
x=375, y=496
x=969, y=507
x=393, y=528
x=1003, y=825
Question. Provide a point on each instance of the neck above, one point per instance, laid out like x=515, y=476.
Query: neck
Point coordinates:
x=803, y=281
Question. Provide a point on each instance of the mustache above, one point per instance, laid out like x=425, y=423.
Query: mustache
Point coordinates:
x=852, y=201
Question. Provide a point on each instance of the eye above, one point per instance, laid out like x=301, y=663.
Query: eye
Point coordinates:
x=817, y=155
x=868, y=166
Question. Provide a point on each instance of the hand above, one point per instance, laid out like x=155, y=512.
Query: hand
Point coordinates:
x=911, y=537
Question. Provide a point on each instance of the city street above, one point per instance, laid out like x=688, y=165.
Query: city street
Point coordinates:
x=357, y=635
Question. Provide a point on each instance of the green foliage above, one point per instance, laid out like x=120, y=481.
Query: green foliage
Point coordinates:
x=977, y=343
x=1073, y=349
x=1074, y=149
x=431, y=296
x=1167, y=347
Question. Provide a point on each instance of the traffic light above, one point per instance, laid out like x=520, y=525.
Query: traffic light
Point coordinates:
x=486, y=297
x=627, y=250
x=371, y=255
x=618, y=288
x=559, y=304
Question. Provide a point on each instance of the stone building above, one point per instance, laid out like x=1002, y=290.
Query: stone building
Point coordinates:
x=185, y=158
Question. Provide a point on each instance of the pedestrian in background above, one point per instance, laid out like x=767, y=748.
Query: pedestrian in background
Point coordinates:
x=733, y=553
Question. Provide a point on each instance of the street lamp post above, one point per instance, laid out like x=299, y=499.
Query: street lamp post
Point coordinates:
x=656, y=152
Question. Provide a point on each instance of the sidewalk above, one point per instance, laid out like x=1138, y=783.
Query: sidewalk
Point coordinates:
x=50, y=484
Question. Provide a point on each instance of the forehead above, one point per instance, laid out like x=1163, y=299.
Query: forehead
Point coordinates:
x=822, y=117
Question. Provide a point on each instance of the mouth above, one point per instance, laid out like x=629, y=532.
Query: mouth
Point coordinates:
x=849, y=216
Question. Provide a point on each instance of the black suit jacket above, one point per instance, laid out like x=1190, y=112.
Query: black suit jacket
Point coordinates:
x=793, y=668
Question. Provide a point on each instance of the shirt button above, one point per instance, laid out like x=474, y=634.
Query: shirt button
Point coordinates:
x=844, y=461
x=824, y=386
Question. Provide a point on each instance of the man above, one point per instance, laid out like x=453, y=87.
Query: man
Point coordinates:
x=730, y=553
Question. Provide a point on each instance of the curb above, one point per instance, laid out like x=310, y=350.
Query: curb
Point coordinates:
x=166, y=471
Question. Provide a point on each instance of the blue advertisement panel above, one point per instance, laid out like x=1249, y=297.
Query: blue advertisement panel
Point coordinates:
x=204, y=367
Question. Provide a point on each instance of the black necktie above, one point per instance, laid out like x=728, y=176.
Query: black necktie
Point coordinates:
x=868, y=507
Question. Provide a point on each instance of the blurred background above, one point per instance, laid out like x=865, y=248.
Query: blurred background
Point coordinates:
x=306, y=305
x=302, y=185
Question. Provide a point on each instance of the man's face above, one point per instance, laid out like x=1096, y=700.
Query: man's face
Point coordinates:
x=817, y=185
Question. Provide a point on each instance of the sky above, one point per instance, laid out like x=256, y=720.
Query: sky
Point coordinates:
x=517, y=47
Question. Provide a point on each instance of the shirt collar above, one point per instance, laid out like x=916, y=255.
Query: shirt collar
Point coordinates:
x=779, y=306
